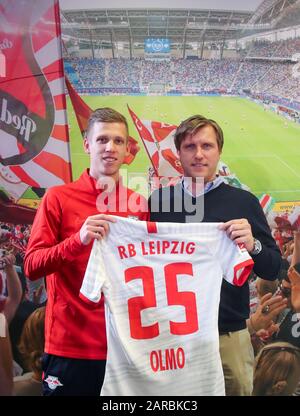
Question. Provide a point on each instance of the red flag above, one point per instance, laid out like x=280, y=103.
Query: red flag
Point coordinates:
x=158, y=139
x=172, y=159
x=133, y=148
x=141, y=128
x=34, y=145
x=162, y=130
x=83, y=112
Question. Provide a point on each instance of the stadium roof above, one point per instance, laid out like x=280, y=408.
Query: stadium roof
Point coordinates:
x=131, y=22
x=163, y=4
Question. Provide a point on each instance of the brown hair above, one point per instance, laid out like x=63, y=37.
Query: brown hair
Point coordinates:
x=276, y=370
x=31, y=345
x=192, y=124
x=105, y=115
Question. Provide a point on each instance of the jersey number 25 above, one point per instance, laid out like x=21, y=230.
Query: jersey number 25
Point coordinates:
x=139, y=303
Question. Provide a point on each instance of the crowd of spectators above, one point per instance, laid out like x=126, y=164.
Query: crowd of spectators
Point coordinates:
x=123, y=76
x=204, y=74
x=18, y=301
x=152, y=71
x=280, y=49
x=123, y=72
x=249, y=73
x=89, y=73
x=274, y=337
x=280, y=82
x=14, y=239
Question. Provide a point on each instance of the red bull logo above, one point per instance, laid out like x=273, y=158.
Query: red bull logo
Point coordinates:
x=53, y=382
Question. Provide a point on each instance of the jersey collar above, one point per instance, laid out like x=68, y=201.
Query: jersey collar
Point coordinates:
x=94, y=187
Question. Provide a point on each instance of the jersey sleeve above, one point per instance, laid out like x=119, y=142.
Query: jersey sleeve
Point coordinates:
x=95, y=275
x=235, y=260
x=268, y=262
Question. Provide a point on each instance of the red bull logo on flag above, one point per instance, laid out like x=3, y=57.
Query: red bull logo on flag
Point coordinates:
x=34, y=146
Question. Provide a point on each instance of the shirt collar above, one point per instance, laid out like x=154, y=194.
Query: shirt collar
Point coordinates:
x=209, y=186
x=94, y=186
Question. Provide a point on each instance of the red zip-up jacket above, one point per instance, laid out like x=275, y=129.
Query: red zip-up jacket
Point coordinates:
x=73, y=329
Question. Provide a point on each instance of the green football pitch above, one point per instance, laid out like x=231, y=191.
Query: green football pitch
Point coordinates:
x=261, y=147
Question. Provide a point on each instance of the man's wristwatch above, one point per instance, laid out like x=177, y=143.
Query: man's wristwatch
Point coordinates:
x=257, y=248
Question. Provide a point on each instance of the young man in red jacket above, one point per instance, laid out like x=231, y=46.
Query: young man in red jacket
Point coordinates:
x=69, y=218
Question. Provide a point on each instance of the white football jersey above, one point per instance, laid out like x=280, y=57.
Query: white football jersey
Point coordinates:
x=161, y=283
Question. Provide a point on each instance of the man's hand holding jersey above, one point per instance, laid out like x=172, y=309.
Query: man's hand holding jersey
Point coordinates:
x=95, y=227
x=240, y=232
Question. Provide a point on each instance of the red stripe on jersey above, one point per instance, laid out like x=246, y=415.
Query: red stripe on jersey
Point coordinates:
x=242, y=271
x=88, y=301
x=17, y=170
x=151, y=227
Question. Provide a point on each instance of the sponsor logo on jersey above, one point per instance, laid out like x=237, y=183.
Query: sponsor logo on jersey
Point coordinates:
x=53, y=382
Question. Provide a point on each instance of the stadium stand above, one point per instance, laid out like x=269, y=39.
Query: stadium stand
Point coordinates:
x=275, y=78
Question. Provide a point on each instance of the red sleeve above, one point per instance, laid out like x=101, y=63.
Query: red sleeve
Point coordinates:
x=45, y=253
x=87, y=300
x=242, y=271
